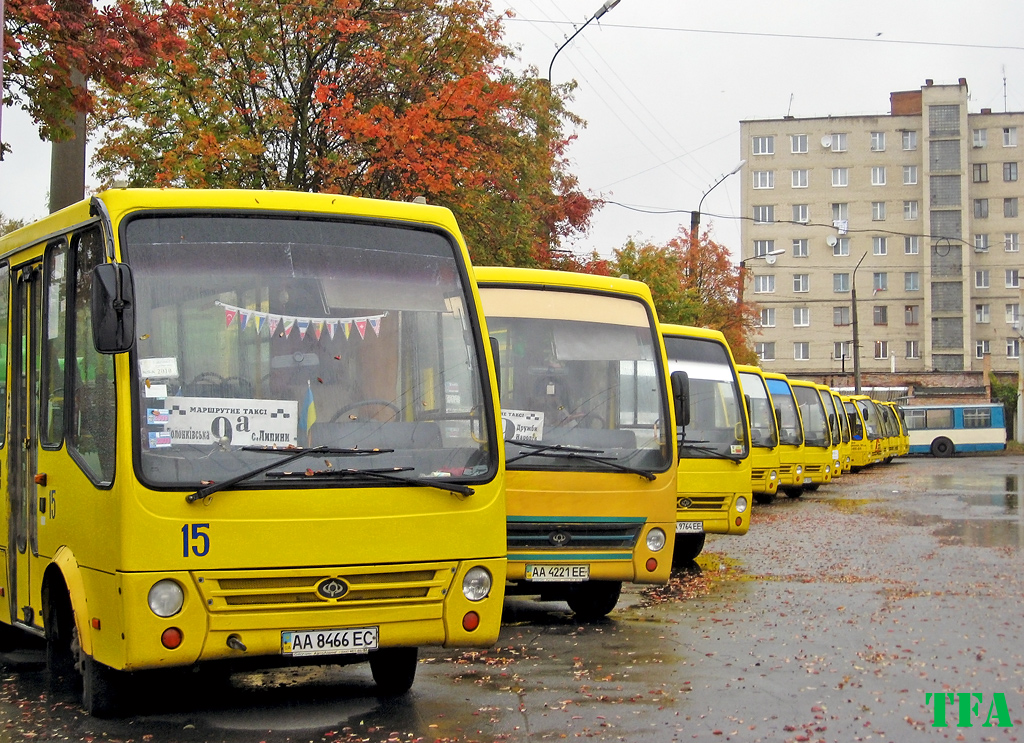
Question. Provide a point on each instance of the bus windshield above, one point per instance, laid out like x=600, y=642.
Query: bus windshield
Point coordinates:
x=717, y=426
x=763, y=428
x=871, y=418
x=816, y=430
x=578, y=379
x=265, y=331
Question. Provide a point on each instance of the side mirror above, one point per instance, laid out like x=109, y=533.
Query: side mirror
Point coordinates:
x=113, y=308
x=496, y=354
x=681, y=397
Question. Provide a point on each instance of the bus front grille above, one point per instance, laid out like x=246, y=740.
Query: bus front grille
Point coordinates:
x=702, y=503
x=321, y=588
x=538, y=535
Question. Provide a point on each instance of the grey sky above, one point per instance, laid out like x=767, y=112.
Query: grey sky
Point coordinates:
x=663, y=85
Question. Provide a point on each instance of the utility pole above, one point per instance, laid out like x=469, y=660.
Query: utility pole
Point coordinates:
x=856, y=330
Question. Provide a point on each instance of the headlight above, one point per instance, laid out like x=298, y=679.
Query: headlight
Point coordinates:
x=827, y=469
x=477, y=584
x=166, y=598
x=741, y=504
x=799, y=469
x=773, y=475
x=655, y=539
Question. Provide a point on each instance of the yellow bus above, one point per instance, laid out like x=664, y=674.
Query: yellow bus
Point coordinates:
x=791, y=434
x=817, y=435
x=873, y=431
x=835, y=428
x=713, y=492
x=251, y=427
x=861, y=445
x=846, y=447
x=764, y=434
x=587, y=420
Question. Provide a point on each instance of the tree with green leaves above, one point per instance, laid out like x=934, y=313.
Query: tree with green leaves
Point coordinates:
x=359, y=97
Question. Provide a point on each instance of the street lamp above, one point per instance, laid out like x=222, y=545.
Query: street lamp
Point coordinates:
x=743, y=268
x=608, y=5
x=695, y=216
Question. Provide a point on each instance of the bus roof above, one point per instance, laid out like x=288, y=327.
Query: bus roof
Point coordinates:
x=562, y=279
x=692, y=331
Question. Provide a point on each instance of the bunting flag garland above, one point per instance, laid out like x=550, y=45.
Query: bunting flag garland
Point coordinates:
x=287, y=322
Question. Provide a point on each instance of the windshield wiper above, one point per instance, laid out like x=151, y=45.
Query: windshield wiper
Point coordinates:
x=291, y=456
x=709, y=450
x=575, y=452
x=387, y=473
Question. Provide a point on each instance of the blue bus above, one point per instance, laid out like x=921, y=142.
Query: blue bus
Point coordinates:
x=945, y=430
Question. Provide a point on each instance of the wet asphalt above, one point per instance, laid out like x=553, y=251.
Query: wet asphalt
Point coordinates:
x=829, y=621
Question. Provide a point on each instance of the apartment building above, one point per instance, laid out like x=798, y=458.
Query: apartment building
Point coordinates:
x=922, y=207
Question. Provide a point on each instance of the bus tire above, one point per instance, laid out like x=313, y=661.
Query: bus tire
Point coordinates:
x=594, y=599
x=793, y=492
x=688, y=547
x=61, y=643
x=764, y=498
x=394, y=670
x=812, y=487
x=103, y=689
x=943, y=447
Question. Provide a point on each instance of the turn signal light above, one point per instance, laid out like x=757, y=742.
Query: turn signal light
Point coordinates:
x=739, y=521
x=652, y=565
x=471, y=621
x=171, y=638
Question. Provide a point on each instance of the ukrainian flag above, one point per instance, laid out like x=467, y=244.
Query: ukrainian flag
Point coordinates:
x=307, y=412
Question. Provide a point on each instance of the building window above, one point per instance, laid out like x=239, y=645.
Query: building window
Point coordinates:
x=840, y=282
x=800, y=178
x=841, y=315
x=879, y=246
x=981, y=279
x=880, y=281
x=912, y=281
x=842, y=246
x=981, y=313
x=801, y=213
x=801, y=317
x=910, y=210
x=881, y=315
x=1013, y=278
x=839, y=142
x=909, y=140
x=798, y=143
x=764, y=284
x=764, y=179
x=801, y=282
x=981, y=243
x=801, y=351
x=764, y=214
x=1009, y=172
x=763, y=247
x=1011, y=242
x=981, y=208
x=913, y=349
x=980, y=137
x=801, y=248
x=982, y=349
x=909, y=175
x=878, y=175
x=765, y=351
x=764, y=145
x=881, y=349
x=980, y=171
x=912, y=314
x=842, y=350
x=840, y=177
x=911, y=244
x=1013, y=313
x=877, y=211
x=878, y=141
x=1013, y=348
x=1009, y=136
x=767, y=317
x=1010, y=207
x=840, y=212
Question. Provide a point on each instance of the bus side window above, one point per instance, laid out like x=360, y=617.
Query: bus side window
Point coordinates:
x=55, y=290
x=91, y=407
x=5, y=293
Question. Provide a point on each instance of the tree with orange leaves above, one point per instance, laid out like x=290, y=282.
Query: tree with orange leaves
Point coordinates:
x=359, y=97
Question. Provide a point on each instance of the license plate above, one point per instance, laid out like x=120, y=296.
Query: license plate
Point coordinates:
x=835, y=455
x=329, y=641
x=689, y=527
x=808, y=480
x=558, y=573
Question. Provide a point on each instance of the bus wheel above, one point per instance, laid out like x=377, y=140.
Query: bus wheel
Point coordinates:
x=61, y=644
x=942, y=447
x=688, y=546
x=394, y=670
x=764, y=498
x=595, y=599
x=103, y=688
x=793, y=492
x=812, y=487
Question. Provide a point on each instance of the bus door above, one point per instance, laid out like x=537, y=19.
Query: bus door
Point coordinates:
x=22, y=447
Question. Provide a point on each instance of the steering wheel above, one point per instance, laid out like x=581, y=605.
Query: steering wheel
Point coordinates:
x=353, y=406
